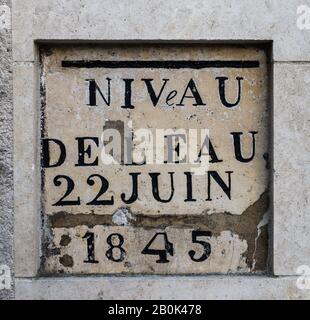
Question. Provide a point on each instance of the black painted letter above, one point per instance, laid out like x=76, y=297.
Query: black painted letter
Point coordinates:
x=237, y=146
x=222, y=91
x=45, y=160
x=134, y=194
x=82, y=151
x=92, y=90
x=195, y=94
x=127, y=104
x=226, y=188
x=155, y=190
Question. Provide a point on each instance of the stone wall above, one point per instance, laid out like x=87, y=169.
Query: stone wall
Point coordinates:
x=6, y=145
x=282, y=25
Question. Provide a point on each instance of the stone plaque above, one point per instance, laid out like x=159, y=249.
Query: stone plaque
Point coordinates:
x=154, y=159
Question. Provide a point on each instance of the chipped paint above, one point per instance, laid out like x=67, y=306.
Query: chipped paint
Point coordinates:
x=89, y=237
x=122, y=217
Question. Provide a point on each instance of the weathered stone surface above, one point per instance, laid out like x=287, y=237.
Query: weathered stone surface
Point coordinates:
x=168, y=287
x=227, y=208
x=188, y=21
x=291, y=164
x=6, y=151
x=198, y=20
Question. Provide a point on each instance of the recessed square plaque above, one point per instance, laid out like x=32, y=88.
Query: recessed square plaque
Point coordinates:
x=154, y=159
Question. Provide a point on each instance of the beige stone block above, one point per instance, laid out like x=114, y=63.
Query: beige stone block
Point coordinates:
x=26, y=171
x=291, y=165
x=169, y=288
x=182, y=21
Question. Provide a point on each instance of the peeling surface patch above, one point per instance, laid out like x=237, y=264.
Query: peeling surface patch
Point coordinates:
x=116, y=200
x=122, y=217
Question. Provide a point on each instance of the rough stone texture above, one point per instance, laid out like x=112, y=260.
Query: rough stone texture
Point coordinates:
x=194, y=20
x=155, y=287
x=185, y=20
x=291, y=165
x=6, y=154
